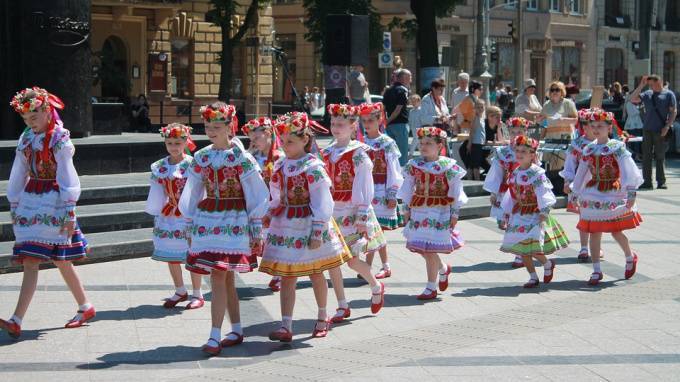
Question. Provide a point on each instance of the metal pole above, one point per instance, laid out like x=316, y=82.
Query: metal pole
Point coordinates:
x=479, y=39
x=519, y=49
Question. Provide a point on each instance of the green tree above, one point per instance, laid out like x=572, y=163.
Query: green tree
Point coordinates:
x=424, y=27
x=317, y=10
x=223, y=15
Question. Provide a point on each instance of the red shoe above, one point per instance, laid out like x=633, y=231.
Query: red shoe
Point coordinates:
x=531, y=284
x=595, y=278
x=275, y=285
x=86, y=316
x=375, y=308
x=281, y=335
x=212, y=350
x=428, y=296
x=444, y=284
x=631, y=272
x=11, y=327
x=547, y=279
x=170, y=303
x=516, y=265
x=226, y=342
x=383, y=274
x=338, y=319
x=195, y=303
x=320, y=333
x=583, y=256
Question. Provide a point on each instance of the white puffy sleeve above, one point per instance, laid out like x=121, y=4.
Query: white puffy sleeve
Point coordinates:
x=494, y=178
x=67, y=177
x=193, y=192
x=631, y=178
x=394, y=176
x=320, y=199
x=275, y=190
x=362, y=189
x=544, y=194
x=157, y=197
x=18, y=178
x=454, y=176
x=570, y=165
x=507, y=204
x=256, y=194
x=405, y=193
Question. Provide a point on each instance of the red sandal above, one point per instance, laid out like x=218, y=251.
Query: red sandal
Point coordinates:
x=428, y=296
x=531, y=284
x=633, y=269
x=275, y=285
x=595, y=278
x=383, y=274
x=281, y=334
x=226, y=342
x=195, y=303
x=212, y=350
x=548, y=278
x=443, y=285
x=346, y=312
x=320, y=333
x=12, y=328
x=375, y=308
x=170, y=303
x=86, y=315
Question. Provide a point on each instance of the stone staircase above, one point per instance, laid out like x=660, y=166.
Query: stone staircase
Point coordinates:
x=111, y=214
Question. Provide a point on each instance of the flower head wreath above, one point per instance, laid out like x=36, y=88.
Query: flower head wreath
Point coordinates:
x=340, y=110
x=525, y=141
x=223, y=113
x=599, y=115
x=178, y=130
x=431, y=131
x=518, y=122
x=258, y=124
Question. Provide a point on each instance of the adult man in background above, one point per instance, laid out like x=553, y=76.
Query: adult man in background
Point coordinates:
x=358, y=86
x=458, y=95
x=660, y=112
x=395, y=100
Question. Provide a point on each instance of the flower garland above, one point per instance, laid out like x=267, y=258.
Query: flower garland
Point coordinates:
x=340, y=110
x=523, y=140
x=224, y=113
x=258, y=124
x=431, y=131
x=518, y=122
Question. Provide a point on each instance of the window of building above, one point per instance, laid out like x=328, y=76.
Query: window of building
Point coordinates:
x=532, y=5
x=669, y=68
x=575, y=6
x=555, y=6
x=566, y=62
x=673, y=16
x=181, y=81
x=510, y=3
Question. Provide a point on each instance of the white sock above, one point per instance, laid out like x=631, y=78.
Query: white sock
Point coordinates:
x=236, y=328
x=85, y=306
x=343, y=304
x=518, y=259
x=375, y=293
x=431, y=286
x=596, y=267
x=16, y=320
x=215, y=334
x=197, y=293
x=629, y=263
x=322, y=314
x=287, y=322
x=443, y=270
x=533, y=276
x=386, y=266
x=546, y=268
x=181, y=291
x=584, y=249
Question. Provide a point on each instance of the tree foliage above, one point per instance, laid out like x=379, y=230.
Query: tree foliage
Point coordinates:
x=223, y=14
x=409, y=27
x=317, y=10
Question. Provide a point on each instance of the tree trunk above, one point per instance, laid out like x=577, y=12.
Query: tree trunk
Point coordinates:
x=226, y=63
x=426, y=37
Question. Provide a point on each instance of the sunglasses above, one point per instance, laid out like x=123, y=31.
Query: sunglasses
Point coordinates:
x=554, y=90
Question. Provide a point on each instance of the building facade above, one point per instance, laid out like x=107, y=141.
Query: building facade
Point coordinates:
x=166, y=50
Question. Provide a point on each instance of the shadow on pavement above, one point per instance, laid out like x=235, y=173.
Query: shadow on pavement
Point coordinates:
x=512, y=291
x=138, y=312
x=6, y=340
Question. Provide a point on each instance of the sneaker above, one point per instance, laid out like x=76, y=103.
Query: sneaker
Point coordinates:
x=645, y=186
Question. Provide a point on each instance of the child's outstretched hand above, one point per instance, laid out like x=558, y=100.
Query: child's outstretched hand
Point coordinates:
x=567, y=189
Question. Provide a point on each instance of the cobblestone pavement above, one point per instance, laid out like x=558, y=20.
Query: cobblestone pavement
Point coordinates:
x=485, y=327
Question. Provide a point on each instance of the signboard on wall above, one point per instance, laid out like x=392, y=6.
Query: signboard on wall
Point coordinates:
x=158, y=72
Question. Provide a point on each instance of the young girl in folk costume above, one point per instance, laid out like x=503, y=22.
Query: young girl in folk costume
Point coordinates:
x=387, y=178
x=433, y=195
x=605, y=185
x=571, y=164
x=350, y=168
x=302, y=238
x=265, y=149
x=43, y=190
x=225, y=198
x=168, y=177
x=503, y=164
x=531, y=231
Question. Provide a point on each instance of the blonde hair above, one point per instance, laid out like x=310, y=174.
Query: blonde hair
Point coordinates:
x=560, y=85
x=414, y=98
x=493, y=110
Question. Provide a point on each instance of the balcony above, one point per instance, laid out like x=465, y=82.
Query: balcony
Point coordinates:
x=617, y=21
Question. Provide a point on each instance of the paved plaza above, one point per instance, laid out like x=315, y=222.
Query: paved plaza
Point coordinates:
x=484, y=327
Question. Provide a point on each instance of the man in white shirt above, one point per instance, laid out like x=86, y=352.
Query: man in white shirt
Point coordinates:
x=458, y=94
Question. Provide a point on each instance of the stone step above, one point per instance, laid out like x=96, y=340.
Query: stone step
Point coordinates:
x=96, y=218
x=133, y=243
x=96, y=189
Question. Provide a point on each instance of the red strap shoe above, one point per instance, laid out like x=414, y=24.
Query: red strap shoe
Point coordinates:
x=212, y=347
x=282, y=334
x=340, y=317
x=84, y=317
x=375, y=308
x=595, y=278
x=583, y=256
x=171, y=303
x=633, y=269
x=226, y=342
x=531, y=284
x=428, y=296
x=195, y=303
x=546, y=278
x=443, y=285
x=320, y=333
x=383, y=274
x=275, y=285
x=12, y=328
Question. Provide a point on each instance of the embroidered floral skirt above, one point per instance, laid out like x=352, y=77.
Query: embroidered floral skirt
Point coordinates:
x=344, y=214
x=526, y=236
x=286, y=248
x=170, y=239
x=221, y=241
x=429, y=231
x=606, y=212
x=389, y=218
x=37, y=222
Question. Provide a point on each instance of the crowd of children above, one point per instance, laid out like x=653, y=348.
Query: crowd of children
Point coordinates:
x=300, y=211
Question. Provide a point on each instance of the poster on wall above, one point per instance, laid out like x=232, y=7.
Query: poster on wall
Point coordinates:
x=158, y=74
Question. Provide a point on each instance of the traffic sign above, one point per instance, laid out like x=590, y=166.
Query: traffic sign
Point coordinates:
x=387, y=41
x=385, y=60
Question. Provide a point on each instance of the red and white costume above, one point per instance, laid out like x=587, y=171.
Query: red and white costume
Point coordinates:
x=496, y=182
x=571, y=164
x=387, y=179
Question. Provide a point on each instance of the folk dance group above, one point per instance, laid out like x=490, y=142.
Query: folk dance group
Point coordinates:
x=299, y=211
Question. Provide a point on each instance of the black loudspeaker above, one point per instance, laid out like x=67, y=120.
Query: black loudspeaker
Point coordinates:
x=346, y=41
